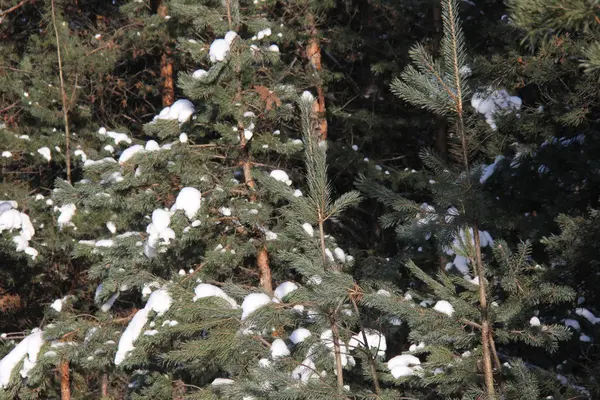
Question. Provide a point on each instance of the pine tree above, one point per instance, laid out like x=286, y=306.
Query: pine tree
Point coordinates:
x=494, y=303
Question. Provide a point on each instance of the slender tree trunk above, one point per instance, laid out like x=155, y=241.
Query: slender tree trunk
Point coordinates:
x=339, y=368
x=313, y=53
x=104, y=385
x=65, y=381
x=166, y=65
x=63, y=95
x=486, y=331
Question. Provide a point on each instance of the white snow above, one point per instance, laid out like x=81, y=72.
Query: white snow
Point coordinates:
x=151, y=145
x=111, y=227
x=584, y=338
x=279, y=349
x=129, y=152
x=6, y=154
x=281, y=176
x=297, y=193
x=206, y=290
x=284, y=289
x=489, y=169
x=188, y=200
x=299, y=335
x=534, y=321
x=401, y=371
x=199, y=74
x=375, y=339
x=28, y=348
x=159, y=301
x=587, y=314
x=308, y=229
x=403, y=365
x=222, y=381
x=253, y=302
x=181, y=111
x=45, y=152
x=572, y=323
x=307, y=96
x=329, y=255
x=444, y=307
x=109, y=303
x=116, y=136
x=220, y=47
x=270, y=235
x=273, y=48
x=57, y=304
x=67, y=211
x=339, y=254
x=304, y=371
x=492, y=103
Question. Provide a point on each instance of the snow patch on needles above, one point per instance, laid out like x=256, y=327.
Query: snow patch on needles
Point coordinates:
x=159, y=232
x=308, y=229
x=45, y=152
x=188, y=200
x=181, y=111
x=284, y=289
x=11, y=218
x=253, y=302
x=159, y=301
x=279, y=349
x=492, y=103
x=299, y=335
x=220, y=47
x=116, y=136
x=403, y=365
x=444, y=307
x=204, y=290
x=281, y=176
x=28, y=348
x=375, y=340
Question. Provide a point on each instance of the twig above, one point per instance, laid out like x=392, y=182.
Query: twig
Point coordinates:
x=13, y=8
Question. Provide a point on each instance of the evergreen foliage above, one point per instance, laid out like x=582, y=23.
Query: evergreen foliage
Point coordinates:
x=272, y=199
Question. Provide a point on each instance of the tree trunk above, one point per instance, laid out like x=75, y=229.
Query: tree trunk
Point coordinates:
x=313, y=53
x=65, y=381
x=166, y=66
x=486, y=331
x=262, y=259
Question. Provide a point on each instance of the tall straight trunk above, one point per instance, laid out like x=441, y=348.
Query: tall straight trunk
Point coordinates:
x=166, y=65
x=65, y=380
x=313, y=53
x=486, y=330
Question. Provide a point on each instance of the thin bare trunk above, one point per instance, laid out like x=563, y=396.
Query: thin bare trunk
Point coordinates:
x=65, y=381
x=322, y=237
x=228, y=6
x=313, y=53
x=262, y=259
x=339, y=368
x=370, y=357
x=63, y=92
x=166, y=66
x=104, y=385
x=485, y=322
